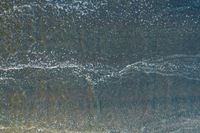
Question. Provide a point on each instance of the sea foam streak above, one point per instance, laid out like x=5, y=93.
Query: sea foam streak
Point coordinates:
x=90, y=71
x=80, y=7
x=187, y=66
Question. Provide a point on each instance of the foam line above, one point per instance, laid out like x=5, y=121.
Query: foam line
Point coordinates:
x=187, y=66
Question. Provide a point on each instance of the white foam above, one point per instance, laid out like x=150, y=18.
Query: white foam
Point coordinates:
x=6, y=78
x=187, y=66
x=80, y=7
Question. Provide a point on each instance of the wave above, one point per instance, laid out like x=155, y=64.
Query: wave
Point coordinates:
x=187, y=66
x=80, y=7
x=6, y=78
x=92, y=73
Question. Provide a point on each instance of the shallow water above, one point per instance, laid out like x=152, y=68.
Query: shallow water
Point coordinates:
x=99, y=66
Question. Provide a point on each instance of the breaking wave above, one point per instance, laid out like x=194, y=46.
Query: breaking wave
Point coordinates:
x=80, y=7
x=186, y=66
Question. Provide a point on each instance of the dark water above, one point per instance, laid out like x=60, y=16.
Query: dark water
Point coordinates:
x=116, y=66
